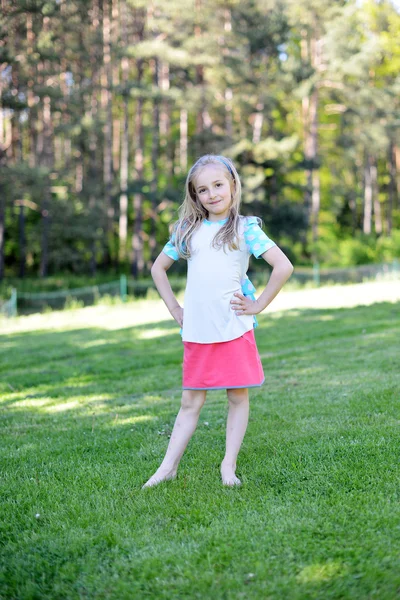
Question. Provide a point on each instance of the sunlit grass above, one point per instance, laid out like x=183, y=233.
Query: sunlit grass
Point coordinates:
x=88, y=403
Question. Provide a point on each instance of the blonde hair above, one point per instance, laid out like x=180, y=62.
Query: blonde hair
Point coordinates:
x=192, y=212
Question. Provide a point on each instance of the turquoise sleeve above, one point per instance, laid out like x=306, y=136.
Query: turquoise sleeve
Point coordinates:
x=170, y=250
x=249, y=291
x=257, y=241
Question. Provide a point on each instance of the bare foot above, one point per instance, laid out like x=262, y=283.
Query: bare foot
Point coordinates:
x=159, y=476
x=228, y=476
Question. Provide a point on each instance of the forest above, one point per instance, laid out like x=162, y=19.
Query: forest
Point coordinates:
x=105, y=105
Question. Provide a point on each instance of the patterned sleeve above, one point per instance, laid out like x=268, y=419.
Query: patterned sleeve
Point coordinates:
x=170, y=250
x=249, y=291
x=256, y=240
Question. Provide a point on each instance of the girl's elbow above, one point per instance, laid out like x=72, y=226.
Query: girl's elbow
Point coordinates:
x=155, y=270
x=287, y=268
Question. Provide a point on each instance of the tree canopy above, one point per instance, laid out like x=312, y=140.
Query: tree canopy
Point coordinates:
x=105, y=104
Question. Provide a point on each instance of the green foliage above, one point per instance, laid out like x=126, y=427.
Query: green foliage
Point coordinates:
x=244, y=73
x=359, y=250
x=388, y=248
x=73, y=303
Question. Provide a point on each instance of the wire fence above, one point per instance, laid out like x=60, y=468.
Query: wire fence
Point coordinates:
x=356, y=274
x=124, y=288
x=29, y=302
x=9, y=308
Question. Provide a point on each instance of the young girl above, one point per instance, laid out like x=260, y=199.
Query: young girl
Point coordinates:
x=217, y=326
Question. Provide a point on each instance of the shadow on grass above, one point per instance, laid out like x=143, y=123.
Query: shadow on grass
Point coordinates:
x=86, y=418
x=130, y=372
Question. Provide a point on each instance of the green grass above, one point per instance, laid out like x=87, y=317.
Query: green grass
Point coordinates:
x=86, y=415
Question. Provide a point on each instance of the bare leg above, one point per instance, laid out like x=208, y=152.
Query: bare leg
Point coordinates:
x=185, y=425
x=238, y=417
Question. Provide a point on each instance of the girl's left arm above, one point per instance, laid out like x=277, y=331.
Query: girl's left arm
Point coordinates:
x=282, y=269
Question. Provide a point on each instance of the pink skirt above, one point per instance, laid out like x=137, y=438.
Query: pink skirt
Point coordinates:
x=222, y=365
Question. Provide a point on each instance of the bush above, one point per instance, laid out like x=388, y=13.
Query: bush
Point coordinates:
x=360, y=250
x=357, y=251
x=388, y=248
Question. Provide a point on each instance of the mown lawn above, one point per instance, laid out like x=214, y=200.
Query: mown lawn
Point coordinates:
x=85, y=419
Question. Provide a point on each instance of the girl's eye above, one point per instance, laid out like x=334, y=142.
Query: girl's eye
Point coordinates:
x=203, y=190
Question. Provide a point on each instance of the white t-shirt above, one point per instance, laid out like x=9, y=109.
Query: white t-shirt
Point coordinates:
x=213, y=277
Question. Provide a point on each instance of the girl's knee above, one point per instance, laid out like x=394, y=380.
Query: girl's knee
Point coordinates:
x=237, y=396
x=193, y=400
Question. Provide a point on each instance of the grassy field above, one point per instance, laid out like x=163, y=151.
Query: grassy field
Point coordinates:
x=86, y=415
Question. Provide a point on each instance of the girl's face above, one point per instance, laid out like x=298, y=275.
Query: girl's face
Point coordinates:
x=214, y=191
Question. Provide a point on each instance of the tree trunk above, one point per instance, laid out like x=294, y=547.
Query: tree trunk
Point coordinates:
x=396, y=153
x=16, y=139
x=183, y=140
x=377, y=204
x=165, y=115
x=137, y=238
x=124, y=159
x=92, y=177
x=9, y=151
x=199, y=146
x=228, y=91
x=123, y=199
x=95, y=150
x=116, y=129
x=258, y=123
x=3, y=148
x=2, y=218
x=106, y=102
x=353, y=200
x=47, y=162
x=154, y=166
x=391, y=167
x=312, y=174
x=199, y=82
x=311, y=51
x=21, y=241
x=367, y=223
x=30, y=39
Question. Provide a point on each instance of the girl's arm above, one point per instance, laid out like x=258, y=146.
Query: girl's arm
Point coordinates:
x=282, y=269
x=159, y=275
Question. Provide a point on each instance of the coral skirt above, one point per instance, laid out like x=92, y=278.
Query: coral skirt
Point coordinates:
x=222, y=365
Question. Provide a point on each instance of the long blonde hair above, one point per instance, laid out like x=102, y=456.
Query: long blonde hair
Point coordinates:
x=192, y=212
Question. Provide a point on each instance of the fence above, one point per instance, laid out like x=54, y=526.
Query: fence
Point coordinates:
x=356, y=274
x=9, y=308
x=35, y=302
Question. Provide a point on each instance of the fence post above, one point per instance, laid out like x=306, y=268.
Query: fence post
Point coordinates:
x=123, y=287
x=395, y=265
x=13, y=302
x=316, y=274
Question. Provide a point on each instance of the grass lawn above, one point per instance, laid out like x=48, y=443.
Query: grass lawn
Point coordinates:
x=86, y=414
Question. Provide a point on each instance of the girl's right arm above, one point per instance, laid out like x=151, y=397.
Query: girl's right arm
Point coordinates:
x=160, y=278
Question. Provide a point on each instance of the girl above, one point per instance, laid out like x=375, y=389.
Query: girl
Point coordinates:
x=217, y=326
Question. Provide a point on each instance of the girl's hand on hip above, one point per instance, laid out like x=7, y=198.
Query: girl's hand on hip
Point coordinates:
x=243, y=305
x=177, y=313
